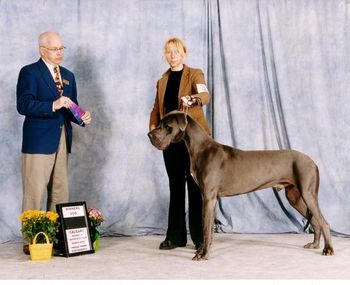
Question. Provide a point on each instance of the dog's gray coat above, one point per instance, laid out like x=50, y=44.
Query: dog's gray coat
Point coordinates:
x=221, y=170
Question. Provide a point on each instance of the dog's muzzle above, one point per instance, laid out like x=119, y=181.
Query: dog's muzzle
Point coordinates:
x=154, y=140
x=160, y=143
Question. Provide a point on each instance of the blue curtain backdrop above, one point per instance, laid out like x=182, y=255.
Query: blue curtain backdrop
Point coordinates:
x=278, y=72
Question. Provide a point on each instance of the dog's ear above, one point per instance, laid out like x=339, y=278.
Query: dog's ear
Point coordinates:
x=182, y=121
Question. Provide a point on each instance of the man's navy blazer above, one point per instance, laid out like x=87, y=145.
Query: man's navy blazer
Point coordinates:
x=36, y=91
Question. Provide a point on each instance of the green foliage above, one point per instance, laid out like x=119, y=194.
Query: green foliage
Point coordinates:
x=34, y=221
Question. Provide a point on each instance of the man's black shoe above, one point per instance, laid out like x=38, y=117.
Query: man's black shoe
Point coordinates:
x=26, y=249
x=168, y=244
x=198, y=245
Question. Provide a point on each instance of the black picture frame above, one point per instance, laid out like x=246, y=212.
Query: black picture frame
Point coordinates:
x=74, y=231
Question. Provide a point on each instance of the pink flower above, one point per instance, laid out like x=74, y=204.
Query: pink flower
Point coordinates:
x=95, y=217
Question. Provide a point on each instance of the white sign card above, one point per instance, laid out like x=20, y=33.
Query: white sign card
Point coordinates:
x=74, y=235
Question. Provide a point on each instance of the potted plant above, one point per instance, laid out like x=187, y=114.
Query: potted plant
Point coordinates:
x=40, y=227
x=95, y=220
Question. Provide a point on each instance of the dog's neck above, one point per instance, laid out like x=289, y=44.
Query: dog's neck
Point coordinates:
x=195, y=143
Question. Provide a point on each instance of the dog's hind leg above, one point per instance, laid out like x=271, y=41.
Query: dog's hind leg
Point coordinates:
x=296, y=200
x=312, y=204
x=309, y=192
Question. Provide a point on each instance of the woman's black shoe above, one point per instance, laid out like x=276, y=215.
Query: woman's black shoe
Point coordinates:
x=168, y=244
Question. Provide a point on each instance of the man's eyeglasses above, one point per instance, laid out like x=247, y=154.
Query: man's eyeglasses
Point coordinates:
x=54, y=49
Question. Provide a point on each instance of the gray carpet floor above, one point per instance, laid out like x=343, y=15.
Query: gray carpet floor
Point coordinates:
x=233, y=256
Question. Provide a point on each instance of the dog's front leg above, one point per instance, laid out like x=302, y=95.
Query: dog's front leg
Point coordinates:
x=208, y=213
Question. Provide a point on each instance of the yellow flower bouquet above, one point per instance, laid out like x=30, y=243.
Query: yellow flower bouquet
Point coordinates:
x=35, y=221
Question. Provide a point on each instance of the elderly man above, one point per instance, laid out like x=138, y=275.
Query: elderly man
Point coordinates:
x=45, y=93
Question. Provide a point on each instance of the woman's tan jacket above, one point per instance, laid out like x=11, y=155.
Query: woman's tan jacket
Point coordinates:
x=192, y=79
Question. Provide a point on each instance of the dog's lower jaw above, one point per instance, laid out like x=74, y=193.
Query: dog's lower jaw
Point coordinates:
x=160, y=146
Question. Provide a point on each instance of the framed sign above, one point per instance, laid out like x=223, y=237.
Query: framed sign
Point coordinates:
x=74, y=234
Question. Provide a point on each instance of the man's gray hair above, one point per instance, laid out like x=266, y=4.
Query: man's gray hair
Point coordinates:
x=42, y=40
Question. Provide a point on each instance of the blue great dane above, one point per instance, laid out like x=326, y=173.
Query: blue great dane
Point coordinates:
x=221, y=170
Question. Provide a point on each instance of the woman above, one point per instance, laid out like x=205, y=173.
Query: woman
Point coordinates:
x=181, y=87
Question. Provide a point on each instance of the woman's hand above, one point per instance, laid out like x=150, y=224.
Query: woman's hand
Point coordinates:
x=188, y=101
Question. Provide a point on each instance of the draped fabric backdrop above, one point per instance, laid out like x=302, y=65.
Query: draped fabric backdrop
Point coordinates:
x=278, y=73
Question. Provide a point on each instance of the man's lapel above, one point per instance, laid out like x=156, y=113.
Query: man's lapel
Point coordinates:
x=65, y=82
x=48, y=79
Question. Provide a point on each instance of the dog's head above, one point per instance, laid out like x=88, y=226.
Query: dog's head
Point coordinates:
x=171, y=129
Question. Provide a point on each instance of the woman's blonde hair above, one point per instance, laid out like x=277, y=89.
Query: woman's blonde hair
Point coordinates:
x=180, y=45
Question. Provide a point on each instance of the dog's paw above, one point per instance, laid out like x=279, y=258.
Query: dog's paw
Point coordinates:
x=201, y=254
x=312, y=245
x=199, y=257
x=328, y=250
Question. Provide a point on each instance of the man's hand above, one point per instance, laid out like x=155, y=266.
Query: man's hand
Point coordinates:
x=62, y=102
x=86, y=118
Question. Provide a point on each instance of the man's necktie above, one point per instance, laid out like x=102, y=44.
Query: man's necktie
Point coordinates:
x=57, y=81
